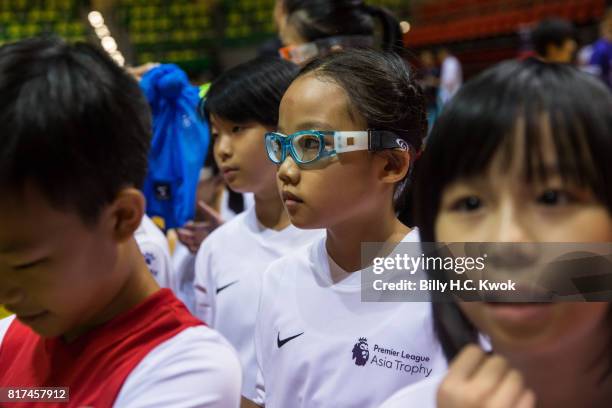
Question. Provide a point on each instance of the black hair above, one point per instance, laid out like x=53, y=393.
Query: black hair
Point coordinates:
x=318, y=19
x=553, y=31
x=514, y=100
x=72, y=123
x=292, y=5
x=250, y=92
x=383, y=90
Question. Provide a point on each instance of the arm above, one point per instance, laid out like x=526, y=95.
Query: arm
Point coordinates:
x=260, y=389
x=194, y=369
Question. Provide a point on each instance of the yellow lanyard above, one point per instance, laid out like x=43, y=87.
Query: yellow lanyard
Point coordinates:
x=3, y=312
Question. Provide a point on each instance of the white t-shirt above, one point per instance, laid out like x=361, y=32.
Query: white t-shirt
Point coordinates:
x=421, y=395
x=183, y=266
x=154, y=247
x=183, y=261
x=194, y=369
x=228, y=272
x=319, y=345
x=226, y=212
x=451, y=78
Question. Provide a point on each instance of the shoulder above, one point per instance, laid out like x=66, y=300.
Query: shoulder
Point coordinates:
x=602, y=46
x=301, y=260
x=221, y=241
x=197, y=367
x=453, y=60
x=205, y=346
x=225, y=237
x=422, y=393
x=227, y=233
x=148, y=235
x=413, y=236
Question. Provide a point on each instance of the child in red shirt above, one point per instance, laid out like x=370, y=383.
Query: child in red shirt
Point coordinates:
x=74, y=136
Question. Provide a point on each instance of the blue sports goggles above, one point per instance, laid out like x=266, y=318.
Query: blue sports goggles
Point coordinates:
x=311, y=145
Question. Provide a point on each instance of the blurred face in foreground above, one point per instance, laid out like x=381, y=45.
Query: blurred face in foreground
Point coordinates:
x=499, y=206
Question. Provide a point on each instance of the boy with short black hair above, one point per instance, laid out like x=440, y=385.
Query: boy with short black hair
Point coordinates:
x=74, y=136
x=554, y=40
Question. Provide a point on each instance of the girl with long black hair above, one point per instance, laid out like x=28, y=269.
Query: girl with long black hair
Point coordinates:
x=522, y=154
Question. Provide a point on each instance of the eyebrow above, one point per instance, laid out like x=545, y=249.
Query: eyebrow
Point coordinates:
x=315, y=125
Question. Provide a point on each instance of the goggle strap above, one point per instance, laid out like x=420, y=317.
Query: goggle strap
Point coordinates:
x=350, y=141
x=385, y=139
x=346, y=41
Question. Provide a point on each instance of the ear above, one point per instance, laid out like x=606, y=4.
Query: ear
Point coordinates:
x=395, y=166
x=126, y=213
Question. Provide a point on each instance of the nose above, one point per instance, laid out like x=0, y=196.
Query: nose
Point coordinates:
x=223, y=148
x=517, y=249
x=511, y=226
x=289, y=172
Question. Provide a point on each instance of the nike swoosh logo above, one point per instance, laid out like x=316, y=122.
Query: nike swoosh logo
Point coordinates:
x=280, y=343
x=219, y=289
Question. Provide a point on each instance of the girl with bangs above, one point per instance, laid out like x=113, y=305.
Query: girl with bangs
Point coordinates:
x=522, y=154
x=350, y=126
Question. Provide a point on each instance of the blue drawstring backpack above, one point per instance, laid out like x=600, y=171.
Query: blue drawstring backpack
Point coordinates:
x=179, y=145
